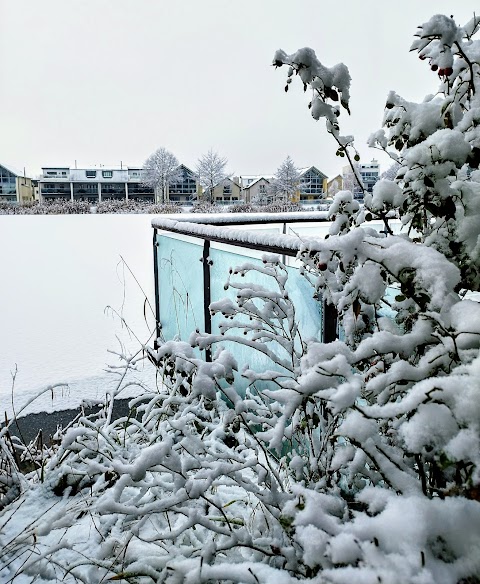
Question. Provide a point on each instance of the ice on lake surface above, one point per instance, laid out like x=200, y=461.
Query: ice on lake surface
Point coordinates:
x=59, y=275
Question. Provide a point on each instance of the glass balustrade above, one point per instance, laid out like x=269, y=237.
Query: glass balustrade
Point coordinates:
x=190, y=276
x=180, y=294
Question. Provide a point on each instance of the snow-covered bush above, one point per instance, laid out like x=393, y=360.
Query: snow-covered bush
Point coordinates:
x=66, y=206
x=352, y=461
x=242, y=207
x=60, y=207
x=284, y=207
x=205, y=207
x=133, y=206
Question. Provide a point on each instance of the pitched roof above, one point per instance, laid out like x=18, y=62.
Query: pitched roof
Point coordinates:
x=11, y=169
x=314, y=168
x=190, y=171
x=229, y=178
x=256, y=181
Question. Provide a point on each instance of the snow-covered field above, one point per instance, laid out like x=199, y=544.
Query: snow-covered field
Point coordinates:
x=59, y=274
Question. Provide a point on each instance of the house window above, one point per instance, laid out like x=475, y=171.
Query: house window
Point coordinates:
x=91, y=173
x=262, y=189
x=227, y=190
x=107, y=173
x=312, y=184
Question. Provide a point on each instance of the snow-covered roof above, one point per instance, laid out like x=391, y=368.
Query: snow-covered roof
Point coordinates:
x=248, y=179
x=224, y=180
x=334, y=178
x=94, y=167
x=189, y=170
x=11, y=169
x=314, y=168
x=256, y=180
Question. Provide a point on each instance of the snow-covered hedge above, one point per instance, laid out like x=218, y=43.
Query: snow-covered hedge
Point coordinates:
x=132, y=206
x=353, y=461
x=61, y=207
x=64, y=206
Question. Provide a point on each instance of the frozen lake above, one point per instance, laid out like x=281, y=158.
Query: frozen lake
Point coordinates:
x=59, y=275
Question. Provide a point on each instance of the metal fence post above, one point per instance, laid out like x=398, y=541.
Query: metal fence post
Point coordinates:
x=157, y=290
x=207, y=293
x=330, y=318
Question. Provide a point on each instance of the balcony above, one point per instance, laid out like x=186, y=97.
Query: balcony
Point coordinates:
x=113, y=190
x=55, y=191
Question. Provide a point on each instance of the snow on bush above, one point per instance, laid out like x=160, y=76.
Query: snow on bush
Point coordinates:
x=352, y=461
x=65, y=206
x=60, y=207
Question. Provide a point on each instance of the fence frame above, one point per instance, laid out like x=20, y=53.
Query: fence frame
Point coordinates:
x=190, y=226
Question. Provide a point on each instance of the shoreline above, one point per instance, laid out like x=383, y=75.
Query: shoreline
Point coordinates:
x=27, y=427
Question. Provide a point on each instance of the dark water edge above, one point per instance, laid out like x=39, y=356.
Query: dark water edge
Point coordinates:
x=28, y=427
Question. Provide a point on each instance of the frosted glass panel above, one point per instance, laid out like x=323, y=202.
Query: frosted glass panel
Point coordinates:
x=308, y=311
x=181, y=299
x=180, y=274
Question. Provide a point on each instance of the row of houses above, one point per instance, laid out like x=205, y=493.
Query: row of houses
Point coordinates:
x=106, y=183
x=97, y=184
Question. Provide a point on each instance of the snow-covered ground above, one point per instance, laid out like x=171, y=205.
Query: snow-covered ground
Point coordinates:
x=59, y=274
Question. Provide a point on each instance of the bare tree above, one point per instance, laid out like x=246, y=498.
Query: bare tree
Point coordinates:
x=211, y=170
x=391, y=171
x=287, y=181
x=352, y=179
x=160, y=170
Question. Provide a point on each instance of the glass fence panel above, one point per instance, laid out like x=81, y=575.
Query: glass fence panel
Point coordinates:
x=308, y=313
x=308, y=310
x=180, y=285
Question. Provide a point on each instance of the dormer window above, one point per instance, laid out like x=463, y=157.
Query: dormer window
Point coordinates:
x=91, y=173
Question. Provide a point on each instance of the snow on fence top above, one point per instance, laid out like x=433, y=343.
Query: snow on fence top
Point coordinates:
x=241, y=218
x=215, y=227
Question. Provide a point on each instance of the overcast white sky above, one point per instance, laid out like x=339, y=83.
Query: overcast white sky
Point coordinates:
x=104, y=81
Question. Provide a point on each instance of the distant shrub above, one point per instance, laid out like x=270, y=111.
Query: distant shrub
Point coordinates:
x=281, y=207
x=164, y=208
x=243, y=208
x=204, y=207
x=67, y=207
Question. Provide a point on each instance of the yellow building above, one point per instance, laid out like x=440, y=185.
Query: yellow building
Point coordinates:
x=227, y=192
x=334, y=185
x=15, y=187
